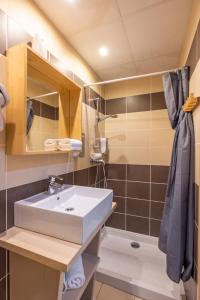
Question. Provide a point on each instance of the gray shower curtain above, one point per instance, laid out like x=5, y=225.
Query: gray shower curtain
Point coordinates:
x=177, y=225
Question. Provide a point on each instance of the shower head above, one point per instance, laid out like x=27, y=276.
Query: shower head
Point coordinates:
x=106, y=117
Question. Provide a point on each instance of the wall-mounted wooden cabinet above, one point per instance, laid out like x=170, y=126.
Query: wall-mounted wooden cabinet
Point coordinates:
x=54, y=116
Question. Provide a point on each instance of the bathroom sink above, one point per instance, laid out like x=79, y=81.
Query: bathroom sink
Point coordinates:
x=72, y=214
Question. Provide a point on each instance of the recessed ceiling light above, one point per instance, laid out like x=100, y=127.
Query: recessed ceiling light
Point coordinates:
x=103, y=51
x=71, y=1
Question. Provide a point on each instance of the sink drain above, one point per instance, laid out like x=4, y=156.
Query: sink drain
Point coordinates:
x=69, y=209
x=135, y=245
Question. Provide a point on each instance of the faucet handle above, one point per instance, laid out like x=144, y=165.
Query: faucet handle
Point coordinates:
x=52, y=178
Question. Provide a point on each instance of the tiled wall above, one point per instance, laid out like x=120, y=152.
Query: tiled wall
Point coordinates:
x=139, y=191
x=140, y=144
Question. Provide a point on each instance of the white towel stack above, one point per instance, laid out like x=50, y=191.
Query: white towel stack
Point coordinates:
x=50, y=145
x=69, y=144
x=75, y=277
x=62, y=144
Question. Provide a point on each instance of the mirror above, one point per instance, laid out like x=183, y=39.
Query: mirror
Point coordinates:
x=42, y=115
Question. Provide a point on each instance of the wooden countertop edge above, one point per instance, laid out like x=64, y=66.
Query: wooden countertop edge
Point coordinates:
x=33, y=246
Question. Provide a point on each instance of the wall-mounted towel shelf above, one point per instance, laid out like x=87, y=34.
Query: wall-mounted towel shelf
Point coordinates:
x=29, y=74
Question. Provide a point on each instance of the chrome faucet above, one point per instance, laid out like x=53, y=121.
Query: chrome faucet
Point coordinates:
x=54, y=187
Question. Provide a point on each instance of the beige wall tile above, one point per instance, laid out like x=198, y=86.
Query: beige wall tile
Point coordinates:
x=116, y=124
x=160, y=119
x=117, y=155
x=138, y=155
x=161, y=137
x=116, y=138
x=25, y=169
x=134, y=87
x=138, y=120
x=194, y=81
x=196, y=119
x=160, y=155
x=138, y=138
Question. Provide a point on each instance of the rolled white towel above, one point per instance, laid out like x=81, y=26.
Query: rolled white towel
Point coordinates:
x=50, y=145
x=75, y=277
x=66, y=147
x=68, y=141
x=69, y=147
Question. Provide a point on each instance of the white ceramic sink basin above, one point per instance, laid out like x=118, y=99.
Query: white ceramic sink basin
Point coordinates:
x=72, y=214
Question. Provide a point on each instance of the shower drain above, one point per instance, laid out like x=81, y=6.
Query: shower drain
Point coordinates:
x=135, y=245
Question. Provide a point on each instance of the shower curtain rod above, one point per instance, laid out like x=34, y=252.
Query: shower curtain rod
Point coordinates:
x=129, y=78
x=43, y=95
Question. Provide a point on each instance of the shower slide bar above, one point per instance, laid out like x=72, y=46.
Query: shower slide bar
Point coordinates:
x=130, y=78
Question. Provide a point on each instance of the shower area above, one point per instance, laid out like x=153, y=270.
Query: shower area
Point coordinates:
x=139, y=145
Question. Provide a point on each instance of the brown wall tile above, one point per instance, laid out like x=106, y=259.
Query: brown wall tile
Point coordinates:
x=154, y=227
x=138, y=207
x=116, y=221
x=103, y=106
x=138, y=173
x=2, y=263
x=158, y=101
x=120, y=204
x=92, y=175
x=116, y=171
x=48, y=111
x=117, y=186
x=138, y=103
x=137, y=224
x=44, y=110
x=19, y=193
x=92, y=99
x=116, y=106
x=68, y=178
x=3, y=289
x=2, y=211
x=81, y=177
x=158, y=191
x=138, y=190
x=157, y=210
x=159, y=174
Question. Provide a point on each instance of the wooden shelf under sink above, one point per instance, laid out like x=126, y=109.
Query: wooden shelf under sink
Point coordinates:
x=38, y=262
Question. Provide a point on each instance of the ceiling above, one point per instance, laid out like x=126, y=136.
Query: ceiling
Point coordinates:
x=142, y=36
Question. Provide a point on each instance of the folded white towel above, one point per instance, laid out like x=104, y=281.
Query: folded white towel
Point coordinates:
x=50, y=145
x=69, y=147
x=62, y=145
x=75, y=278
x=68, y=141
